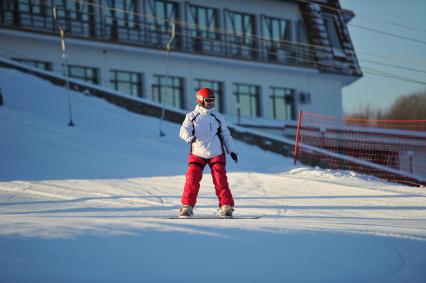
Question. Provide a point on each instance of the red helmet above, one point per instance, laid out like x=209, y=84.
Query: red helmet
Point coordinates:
x=204, y=93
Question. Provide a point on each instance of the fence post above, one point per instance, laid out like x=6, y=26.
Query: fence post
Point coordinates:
x=1, y=98
x=410, y=154
x=296, y=145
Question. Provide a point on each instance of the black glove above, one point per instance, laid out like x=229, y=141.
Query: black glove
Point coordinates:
x=234, y=157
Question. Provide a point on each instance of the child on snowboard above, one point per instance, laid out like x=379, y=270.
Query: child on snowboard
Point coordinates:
x=206, y=132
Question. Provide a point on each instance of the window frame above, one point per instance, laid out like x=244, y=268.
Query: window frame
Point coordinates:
x=178, y=102
x=115, y=81
x=76, y=17
x=121, y=24
x=274, y=97
x=270, y=36
x=85, y=77
x=157, y=25
x=211, y=34
x=237, y=40
x=253, y=98
x=35, y=63
x=333, y=34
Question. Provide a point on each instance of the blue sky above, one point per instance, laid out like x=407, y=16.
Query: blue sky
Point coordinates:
x=377, y=91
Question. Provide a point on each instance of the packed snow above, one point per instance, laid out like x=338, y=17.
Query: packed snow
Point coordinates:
x=90, y=204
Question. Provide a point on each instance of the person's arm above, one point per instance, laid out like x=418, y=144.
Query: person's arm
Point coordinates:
x=187, y=128
x=227, y=139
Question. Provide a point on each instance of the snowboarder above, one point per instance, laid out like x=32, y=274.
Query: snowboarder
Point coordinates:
x=208, y=135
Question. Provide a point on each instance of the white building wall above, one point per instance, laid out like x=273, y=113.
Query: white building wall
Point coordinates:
x=325, y=95
x=325, y=89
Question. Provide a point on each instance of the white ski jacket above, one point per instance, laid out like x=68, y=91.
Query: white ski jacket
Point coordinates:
x=207, y=132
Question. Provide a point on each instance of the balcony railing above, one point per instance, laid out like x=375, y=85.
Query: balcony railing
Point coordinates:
x=155, y=35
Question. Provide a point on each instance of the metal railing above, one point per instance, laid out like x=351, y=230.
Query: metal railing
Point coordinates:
x=153, y=34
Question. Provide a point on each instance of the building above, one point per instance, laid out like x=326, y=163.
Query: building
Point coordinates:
x=265, y=59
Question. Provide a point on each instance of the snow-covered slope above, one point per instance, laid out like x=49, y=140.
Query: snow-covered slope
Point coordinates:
x=86, y=204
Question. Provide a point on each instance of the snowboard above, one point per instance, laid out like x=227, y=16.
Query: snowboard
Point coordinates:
x=215, y=217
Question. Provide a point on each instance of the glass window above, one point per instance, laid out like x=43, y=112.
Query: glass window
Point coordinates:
x=87, y=74
x=120, y=18
x=28, y=13
x=77, y=72
x=241, y=32
x=217, y=87
x=165, y=13
x=168, y=90
x=302, y=52
x=127, y=82
x=160, y=14
x=76, y=17
x=302, y=35
x=35, y=63
x=203, y=23
x=276, y=31
x=330, y=24
x=247, y=98
x=33, y=6
x=283, y=103
x=277, y=36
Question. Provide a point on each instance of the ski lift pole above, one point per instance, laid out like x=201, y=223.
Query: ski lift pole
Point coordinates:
x=65, y=64
x=168, y=48
x=67, y=84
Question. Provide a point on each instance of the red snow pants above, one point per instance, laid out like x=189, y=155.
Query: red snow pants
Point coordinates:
x=195, y=173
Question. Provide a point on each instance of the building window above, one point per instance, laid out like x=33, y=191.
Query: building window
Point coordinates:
x=241, y=34
x=302, y=52
x=35, y=7
x=86, y=74
x=333, y=35
x=158, y=23
x=168, y=90
x=30, y=13
x=121, y=19
x=217, y=87
x=127, y=82
x=247, y=99
x=277, y=37
x=166, y=12
x=203, y=23
x=304, y=97
x=76, y=17
x=35, y=63
x=283, y=103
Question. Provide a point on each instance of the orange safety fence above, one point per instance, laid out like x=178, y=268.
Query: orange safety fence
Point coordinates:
x=394, y=150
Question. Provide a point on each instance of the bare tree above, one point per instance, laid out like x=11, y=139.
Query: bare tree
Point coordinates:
x=366, y=112
x=410, y=107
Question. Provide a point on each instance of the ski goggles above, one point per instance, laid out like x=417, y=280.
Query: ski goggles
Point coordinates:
x=209, y=99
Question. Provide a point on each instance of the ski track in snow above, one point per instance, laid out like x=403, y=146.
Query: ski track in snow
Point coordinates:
x=87, y=204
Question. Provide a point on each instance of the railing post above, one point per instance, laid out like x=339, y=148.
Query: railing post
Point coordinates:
x=1, y=98
x=296, y=145
x=410, y=154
